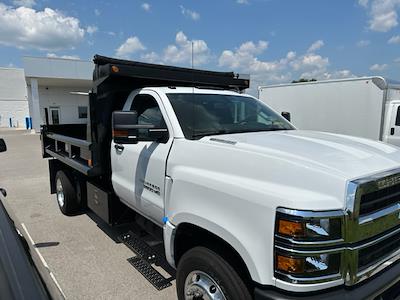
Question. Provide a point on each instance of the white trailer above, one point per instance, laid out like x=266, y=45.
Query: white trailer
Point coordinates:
x=367, y=107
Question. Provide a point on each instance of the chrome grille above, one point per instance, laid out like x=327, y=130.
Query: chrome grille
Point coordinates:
x=372, y=225
x=373, y=254
x=380, y=199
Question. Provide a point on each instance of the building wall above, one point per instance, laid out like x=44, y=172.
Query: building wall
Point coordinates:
x=13, y=98
x=61, y=97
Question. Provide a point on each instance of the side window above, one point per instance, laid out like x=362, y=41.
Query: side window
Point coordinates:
x=149, y=113
x=398, y=117
x=82, y=112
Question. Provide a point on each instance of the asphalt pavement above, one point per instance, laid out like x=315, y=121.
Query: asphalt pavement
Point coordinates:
x=81, y=251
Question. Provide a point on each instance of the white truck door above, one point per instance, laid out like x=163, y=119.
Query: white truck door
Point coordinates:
x=138, y=170
x=393, y=134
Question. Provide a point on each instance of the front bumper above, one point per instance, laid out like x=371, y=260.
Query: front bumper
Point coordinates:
x=385, y=285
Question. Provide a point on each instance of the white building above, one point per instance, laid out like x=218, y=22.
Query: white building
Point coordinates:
x=53, y=90
x=13, y=98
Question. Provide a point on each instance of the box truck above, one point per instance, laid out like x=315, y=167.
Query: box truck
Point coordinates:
x=367, y=107
x=247, y=206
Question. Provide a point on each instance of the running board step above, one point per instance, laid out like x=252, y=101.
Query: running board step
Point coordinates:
x=145, y=257
x=152, y=275
x=137, y=245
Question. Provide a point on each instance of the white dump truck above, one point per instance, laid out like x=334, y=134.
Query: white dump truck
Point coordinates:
x=366, y=107
x=247, y=206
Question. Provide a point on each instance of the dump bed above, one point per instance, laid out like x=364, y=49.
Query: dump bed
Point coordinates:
x=86, y=148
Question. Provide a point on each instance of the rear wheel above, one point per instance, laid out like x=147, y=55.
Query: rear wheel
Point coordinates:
x=203, y=274
x=80, y=188
x=66, y=194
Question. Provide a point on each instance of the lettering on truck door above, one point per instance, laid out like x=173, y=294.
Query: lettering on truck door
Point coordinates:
x=138, y=171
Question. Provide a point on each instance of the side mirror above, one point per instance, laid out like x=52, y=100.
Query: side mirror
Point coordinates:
x=127, y=131
x=3, y=146
x=286, y=115
x=124, y=127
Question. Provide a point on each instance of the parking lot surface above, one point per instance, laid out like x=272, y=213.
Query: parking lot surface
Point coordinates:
x=81, y=251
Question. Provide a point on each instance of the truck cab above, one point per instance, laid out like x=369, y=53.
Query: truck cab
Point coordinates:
x=249, y=206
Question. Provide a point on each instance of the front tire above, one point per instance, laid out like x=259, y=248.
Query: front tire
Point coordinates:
x=66, y=194
x=203, y=274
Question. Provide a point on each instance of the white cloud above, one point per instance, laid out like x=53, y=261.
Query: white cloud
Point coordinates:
x=151, y=57
x=44, y=30
x=189, y=13
x=363, y=43
x=342, y=74
x=181, y=51
x=316, y=46
x=310, y=61
x=53, y=55
x=92, y=29
x=247, y=59
x=382, y=14
x=291, y=55
x=97, y=12
x=244, y=58
x=378, y=67
x=251, y=48
x=130, y=46
x=326, y=75
x=146, y=6
x=394, y=39
x=242, y=1
x=25, y=3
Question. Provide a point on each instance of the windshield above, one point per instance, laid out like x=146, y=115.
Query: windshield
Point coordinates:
x=204, y=114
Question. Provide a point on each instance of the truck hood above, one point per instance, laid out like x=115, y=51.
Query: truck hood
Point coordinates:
x=297, y=169
x=345, y=156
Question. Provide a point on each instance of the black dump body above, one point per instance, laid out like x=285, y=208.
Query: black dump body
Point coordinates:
x=87, y=148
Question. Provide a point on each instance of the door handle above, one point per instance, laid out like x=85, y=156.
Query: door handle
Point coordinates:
x=119, y=147
x=392, y=131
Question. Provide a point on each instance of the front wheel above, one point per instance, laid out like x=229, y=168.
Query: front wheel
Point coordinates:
x=203, y=274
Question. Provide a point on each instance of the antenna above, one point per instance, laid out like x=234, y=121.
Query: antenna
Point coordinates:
x=193, y=98
x=192, y=55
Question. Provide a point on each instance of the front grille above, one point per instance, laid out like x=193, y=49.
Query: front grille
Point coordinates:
x=373, y=254
x=380, y=199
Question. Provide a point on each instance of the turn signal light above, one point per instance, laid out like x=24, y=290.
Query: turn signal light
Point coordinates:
x=120, y=133
x=291, y=228
x=289, y=264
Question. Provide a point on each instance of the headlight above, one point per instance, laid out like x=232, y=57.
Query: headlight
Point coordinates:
x=315, y=265
x=308, y=228
x=305, y=245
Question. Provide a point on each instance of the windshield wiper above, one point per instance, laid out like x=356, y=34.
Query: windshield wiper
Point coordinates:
x=224, y=131
x=257, y=130
x=207, y=133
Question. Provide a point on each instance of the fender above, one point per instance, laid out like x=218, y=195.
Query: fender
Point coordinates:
x=170, y=229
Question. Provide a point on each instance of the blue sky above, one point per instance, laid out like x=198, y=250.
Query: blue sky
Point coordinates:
x=273, y=40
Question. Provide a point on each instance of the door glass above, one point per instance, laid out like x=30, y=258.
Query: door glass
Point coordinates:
x=397, y=123
x=149, y=112
x=55, y=117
